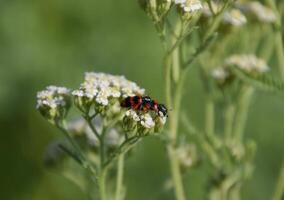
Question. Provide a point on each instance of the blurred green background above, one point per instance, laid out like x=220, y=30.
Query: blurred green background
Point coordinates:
x=46, y=42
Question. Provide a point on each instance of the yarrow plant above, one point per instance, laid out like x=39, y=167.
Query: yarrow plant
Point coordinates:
x=115, y=113
x=110, y=131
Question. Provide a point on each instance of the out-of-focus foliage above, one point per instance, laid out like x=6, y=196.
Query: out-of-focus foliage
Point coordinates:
x=55, y=42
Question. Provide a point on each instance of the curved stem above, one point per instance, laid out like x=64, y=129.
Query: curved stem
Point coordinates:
x=119, y=179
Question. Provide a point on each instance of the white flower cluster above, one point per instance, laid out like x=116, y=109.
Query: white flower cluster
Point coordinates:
x=53, y=102
x=248, y=63
x=101, y=87
x=147, y=121
x=258, y=10
x=52, y=97
x=189, y=5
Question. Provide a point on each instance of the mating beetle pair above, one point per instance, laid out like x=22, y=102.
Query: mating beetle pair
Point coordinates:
x=144, y=103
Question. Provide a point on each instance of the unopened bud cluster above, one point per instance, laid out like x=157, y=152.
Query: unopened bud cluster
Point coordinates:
x=143, y=123
x=53, y=103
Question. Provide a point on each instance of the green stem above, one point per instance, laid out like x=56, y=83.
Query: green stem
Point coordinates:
x=280, y=52
x=119, y=179
x=279, y=190
x=102, y=184
x=242, y=114
x=176, y=174
x=173, y=127
x=209, y=117
x=102, y=147
x=91, y=125
x=127, y=145
x=229, y=120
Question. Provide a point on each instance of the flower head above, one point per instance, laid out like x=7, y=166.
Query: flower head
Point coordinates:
x=258, y=11
x=54, y=102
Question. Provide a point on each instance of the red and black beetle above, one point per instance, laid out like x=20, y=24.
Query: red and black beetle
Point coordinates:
x=144, y=103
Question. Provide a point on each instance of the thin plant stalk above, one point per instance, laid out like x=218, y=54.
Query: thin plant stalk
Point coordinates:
x=279, y=189
x=280, y=52
x=242, y=114
x=229, y=121
x=173, y=120
x=102, y=184
x=176, y=173
x=174, y=163
x=119, y=178
x=103, y=170
x=209, y=116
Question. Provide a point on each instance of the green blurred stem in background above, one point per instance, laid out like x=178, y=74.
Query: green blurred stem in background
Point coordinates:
x=278, y=38
x=119, y=178
x=242, y=114
x=229, y=121
x=209, y=116
x=102, y=183
x=279, y=189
